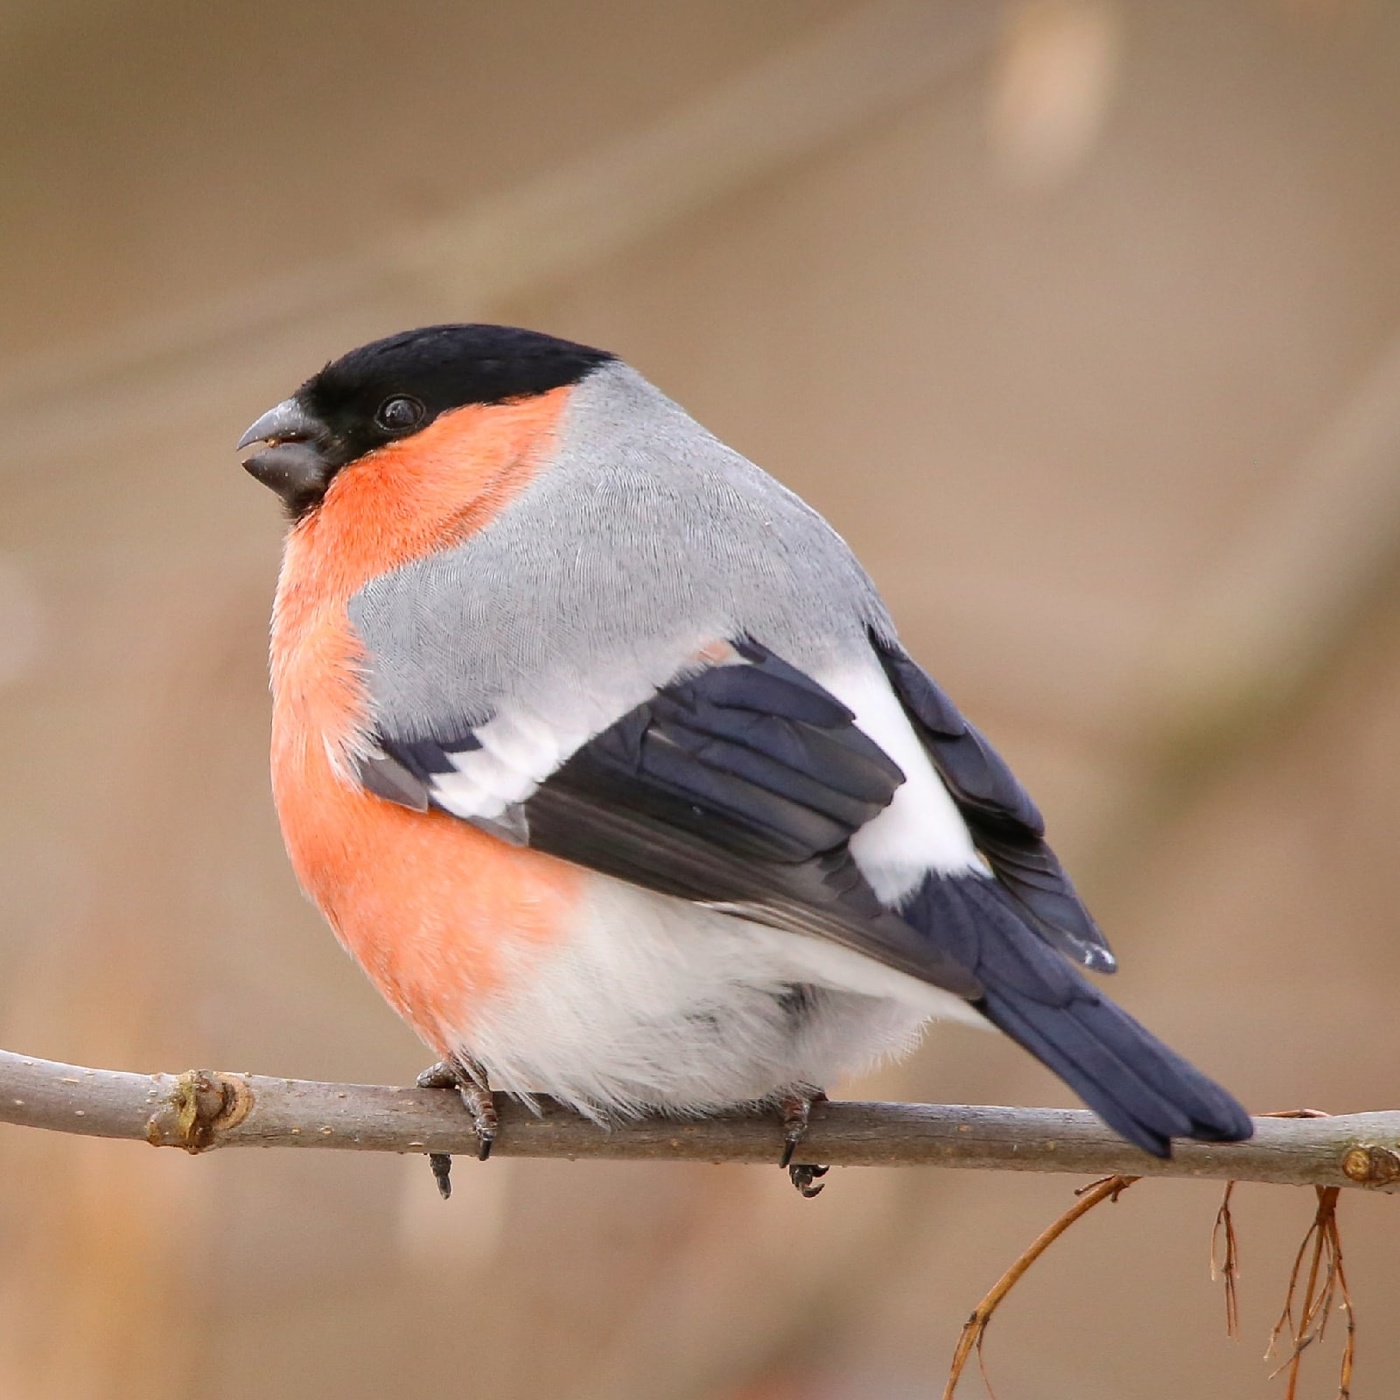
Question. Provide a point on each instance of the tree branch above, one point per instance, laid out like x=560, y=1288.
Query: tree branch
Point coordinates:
x=201, y=1110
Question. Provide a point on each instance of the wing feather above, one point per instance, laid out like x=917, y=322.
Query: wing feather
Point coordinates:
x=738, y=788
x=1006, y=825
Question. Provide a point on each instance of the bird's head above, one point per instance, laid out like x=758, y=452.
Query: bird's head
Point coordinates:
x=394, y=388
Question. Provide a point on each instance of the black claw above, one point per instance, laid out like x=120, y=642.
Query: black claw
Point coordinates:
x=469, y=1079
x=804, y=1177
x=795, y=1113
x=441, y=1163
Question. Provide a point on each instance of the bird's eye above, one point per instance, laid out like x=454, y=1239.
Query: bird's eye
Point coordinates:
x=399, y=414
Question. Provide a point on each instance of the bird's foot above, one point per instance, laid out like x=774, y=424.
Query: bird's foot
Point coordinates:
x=469, y=1079
x=795, y=1112
x=804, y=1177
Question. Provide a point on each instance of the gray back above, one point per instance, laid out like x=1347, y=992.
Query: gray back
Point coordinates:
x=643, y=540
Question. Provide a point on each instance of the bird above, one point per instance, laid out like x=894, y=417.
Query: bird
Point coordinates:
x=600, y=753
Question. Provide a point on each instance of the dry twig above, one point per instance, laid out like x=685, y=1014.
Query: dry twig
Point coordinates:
x=1325, y=1290
x=1318, y=1302
x=1317, y=1306
x=202, y=1109
x=975, y=1328
x=1226, y=1264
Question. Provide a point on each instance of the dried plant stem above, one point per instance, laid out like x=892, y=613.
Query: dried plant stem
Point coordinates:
x=975, y=1328
x=1226, y=1263
x=1325, y=1263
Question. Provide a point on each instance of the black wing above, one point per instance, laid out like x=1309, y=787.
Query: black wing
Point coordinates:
x=738, y=788
x=1006, y=825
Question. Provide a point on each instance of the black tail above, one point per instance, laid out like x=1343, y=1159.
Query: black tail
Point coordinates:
x=1138, y=1086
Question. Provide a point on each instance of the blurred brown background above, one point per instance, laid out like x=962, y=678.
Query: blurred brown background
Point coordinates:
x=1080, y=319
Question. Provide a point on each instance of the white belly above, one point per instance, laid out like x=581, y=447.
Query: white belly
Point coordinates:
x=659, y=1004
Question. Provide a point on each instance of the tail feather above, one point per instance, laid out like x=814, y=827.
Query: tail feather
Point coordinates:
x=1138, y=1086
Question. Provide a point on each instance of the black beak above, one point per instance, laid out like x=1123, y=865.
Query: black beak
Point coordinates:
x=294, y=464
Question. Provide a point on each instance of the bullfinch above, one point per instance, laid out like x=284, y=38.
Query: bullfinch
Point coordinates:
x=600, y=753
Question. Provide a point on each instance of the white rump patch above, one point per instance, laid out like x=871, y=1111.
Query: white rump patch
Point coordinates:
x=922, y=829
